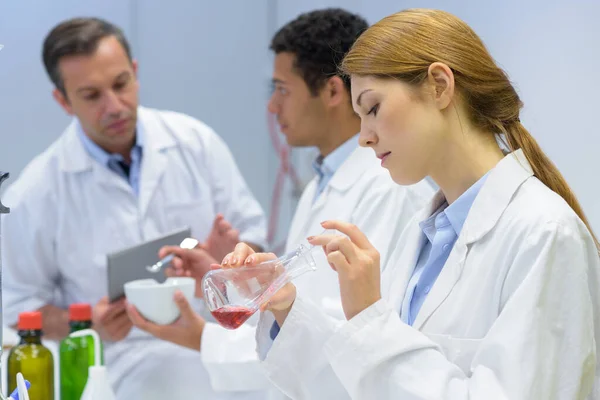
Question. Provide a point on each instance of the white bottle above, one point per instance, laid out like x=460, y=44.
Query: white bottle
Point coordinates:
x=97, y=386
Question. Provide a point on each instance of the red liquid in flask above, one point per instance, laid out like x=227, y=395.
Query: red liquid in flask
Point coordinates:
x=232, y=317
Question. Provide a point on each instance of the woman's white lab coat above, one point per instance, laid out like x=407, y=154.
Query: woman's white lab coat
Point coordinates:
x=514, y=314
x=360, y=192
x=68, y=212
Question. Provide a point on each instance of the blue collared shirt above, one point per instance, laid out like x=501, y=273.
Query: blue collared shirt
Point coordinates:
x=325, y=167
x=114, y=161
x=441, y=231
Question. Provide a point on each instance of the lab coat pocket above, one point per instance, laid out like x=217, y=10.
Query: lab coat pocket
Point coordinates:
x=458, y=351
x=197, y=215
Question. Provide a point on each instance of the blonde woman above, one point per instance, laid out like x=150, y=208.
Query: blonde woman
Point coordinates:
x=494, y=291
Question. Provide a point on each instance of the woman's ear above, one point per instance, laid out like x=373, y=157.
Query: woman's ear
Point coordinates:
x=441, y=78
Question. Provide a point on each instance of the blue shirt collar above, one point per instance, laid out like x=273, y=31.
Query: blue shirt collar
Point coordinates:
x=454, y=214
x=457, y=212
x=437, y=220
x=101, y=155
x=327, y=166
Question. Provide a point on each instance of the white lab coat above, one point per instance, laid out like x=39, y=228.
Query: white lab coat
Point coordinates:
x=68, y=212
x=360, y=192
x=514, y=314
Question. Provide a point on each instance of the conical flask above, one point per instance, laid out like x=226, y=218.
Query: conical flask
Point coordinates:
x=233, y=295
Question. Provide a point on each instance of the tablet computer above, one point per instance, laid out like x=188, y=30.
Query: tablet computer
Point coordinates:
x=130, y=264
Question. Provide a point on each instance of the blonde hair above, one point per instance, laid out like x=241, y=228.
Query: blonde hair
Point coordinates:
x=405, y=44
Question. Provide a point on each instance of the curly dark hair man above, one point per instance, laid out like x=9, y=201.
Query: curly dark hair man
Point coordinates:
x=320, y=40
x=310, y=98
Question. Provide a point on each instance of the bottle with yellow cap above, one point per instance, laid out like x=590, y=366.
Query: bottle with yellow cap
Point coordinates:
x=32, y=359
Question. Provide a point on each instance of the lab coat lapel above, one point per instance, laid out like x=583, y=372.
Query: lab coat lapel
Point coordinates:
x=154, y=163
x=403, y=260
x=75, y=159
x=304, y=217
x=444, y=283
x=352, y=169
x=491, y=202
x=343, y=179
x=320, y=201
x=395, y=278
x=157, y=140
x=110, y=180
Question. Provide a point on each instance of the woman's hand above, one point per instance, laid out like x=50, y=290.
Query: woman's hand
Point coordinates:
x=281, y=303
x=194, y=263
x=357, y=264
x=186, y=331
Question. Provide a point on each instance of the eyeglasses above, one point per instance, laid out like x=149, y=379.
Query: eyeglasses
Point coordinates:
x=278, y=93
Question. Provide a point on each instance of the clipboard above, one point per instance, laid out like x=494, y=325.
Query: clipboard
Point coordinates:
x=130, y=264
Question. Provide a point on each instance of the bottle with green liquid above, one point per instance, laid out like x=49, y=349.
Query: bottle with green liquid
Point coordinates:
x=32, y=359
x=77, y=354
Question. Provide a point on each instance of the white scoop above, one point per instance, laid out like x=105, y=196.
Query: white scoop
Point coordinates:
x=22, y=387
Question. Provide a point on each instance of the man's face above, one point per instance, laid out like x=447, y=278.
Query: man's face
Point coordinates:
x=102, y=91
x=300, y=115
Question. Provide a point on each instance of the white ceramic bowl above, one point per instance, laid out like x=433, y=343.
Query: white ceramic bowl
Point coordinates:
x=155, y=301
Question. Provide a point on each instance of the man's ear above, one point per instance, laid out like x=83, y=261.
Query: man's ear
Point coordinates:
x=334, y=91
x=62, y=100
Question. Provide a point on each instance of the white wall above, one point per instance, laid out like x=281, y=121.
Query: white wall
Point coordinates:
x=211, y=60
x=213, y=67
x=550, y=50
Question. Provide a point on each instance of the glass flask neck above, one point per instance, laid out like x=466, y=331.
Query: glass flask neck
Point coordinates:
x=307, y=263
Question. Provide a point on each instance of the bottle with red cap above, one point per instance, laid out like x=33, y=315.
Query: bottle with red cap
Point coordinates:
x=32, y=359
x=76, y=354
